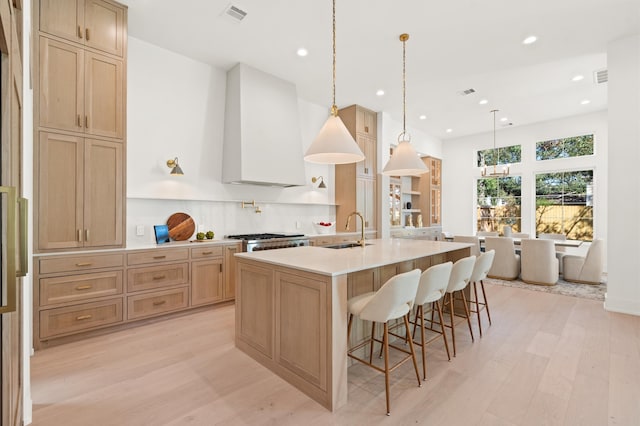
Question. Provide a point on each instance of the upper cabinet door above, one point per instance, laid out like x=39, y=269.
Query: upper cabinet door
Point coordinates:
x=63, y=18
x=104, y=26
x=61, y=85
x=104, y=100
x=98, y=24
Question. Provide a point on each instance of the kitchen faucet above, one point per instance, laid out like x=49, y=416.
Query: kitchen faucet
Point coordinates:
x=346, y=228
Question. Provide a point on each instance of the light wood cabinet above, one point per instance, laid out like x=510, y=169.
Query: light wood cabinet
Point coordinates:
x=97, y=24
x=76, y=294
x=230, y=271
x=80, y=91
x=431, y=189
x=356, y=183
x=81, y=191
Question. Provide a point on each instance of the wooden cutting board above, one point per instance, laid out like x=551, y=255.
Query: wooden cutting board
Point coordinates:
x=181, y=226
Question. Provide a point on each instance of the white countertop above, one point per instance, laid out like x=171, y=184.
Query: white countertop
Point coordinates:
x=171, y=245
x=327, y=261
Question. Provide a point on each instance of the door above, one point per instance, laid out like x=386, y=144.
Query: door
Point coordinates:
x=63, y=18
x=206, y=281
x=12, y=241
x=104, y=26
x=104, y=96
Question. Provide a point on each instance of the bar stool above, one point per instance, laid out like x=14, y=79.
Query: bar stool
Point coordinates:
x=394, y=300
x=432, y=288
x=480, y=271
x=460, y=276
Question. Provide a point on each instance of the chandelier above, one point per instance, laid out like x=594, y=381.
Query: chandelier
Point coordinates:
x=496, y=153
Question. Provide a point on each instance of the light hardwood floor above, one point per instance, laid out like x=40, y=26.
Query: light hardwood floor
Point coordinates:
x=546, y=360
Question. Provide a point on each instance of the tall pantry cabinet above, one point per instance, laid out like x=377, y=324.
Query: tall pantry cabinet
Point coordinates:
x=80, y=124
x=356, y=183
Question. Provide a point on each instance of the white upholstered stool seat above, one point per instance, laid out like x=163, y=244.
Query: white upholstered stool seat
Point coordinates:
x=480, y=271
x=432, y=288
x=393, y=300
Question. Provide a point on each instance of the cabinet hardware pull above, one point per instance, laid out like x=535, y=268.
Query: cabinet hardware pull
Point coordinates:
x=366, y=170
x=23, y=231
x=86, y=235
x=220, y=268
x=83, y=264
x=83, y=287
x=79, y=32
x=79, y=121
x=162, y=302
x=159, y=257
x=366, y=129
x=9, y=244
x=159, y=277
x=83, y=317
x=86, y=121
x=86, y=33
x=207, y=252
x=79, y=235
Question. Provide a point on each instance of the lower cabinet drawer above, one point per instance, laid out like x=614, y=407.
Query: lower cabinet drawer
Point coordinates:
x=72, y=288
x=77, y=318
x=158, y=302
x=154, y=277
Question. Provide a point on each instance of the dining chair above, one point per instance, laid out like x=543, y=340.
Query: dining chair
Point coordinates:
x=458, y=281
x=487, y=234
x=480, y=271
x=585, y=269
x=475, y=249
x=394, y=300
x=560, y=250
x=539, y=263
x=519, y=235
x=432, y=288
x=506, y=263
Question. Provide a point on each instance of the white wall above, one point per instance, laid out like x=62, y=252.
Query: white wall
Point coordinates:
x=460, y=171
x=175, y=108
x=623, y=294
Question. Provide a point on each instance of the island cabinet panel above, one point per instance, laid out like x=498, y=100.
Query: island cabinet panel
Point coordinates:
x=301, y=326
x=254, y=319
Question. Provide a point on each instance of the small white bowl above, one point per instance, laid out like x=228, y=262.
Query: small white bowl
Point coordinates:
x=321, y=229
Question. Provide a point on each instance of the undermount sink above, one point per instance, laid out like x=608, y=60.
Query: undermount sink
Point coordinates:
x=346, y=245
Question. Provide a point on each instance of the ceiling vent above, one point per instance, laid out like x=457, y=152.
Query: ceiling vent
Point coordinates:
x=467, y=92
x=601, y=76
x=234, y=13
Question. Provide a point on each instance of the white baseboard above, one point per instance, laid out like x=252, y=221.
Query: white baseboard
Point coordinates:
x=623, y=306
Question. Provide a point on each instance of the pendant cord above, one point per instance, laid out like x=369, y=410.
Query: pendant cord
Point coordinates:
x=404, y=84
x=334, y=108
x=496, y=153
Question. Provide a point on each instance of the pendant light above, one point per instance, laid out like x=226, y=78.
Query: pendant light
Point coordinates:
x=405, y=160
x=334, y=144
x=495, y=172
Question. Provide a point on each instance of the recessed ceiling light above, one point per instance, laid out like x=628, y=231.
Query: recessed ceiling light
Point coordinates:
x=530, y=40
x=483, y=102
x=449, y=130
x=423, y=117
x=585, y=102
x=380, y=92
x=577, y=77
x=302, y=52
x=504, y=119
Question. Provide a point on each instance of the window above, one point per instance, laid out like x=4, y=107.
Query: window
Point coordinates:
x=508, y=155
x=575, y=146
x=499, y=203
x=564, y=204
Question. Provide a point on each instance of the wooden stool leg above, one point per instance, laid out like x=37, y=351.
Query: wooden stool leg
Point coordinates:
x=453, y=326
x=424, y=345
x=444, y=335
x=386, y=365
x=413, y=352
x=373, y=334
x=486, y=303
x=475, y=294
x=466, y=311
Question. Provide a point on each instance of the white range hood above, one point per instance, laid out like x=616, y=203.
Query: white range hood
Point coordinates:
x=262, y=137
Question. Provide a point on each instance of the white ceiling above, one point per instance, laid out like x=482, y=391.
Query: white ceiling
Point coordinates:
x=454, y=45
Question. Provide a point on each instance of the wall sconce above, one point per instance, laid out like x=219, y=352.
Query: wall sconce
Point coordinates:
x=319, y=178
x=175, y=167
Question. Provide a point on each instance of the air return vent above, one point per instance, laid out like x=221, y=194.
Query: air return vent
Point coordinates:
x=601, y=76
x=235, y=13
x=467, y=92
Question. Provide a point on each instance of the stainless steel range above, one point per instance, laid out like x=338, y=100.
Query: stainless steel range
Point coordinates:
x=258, y=242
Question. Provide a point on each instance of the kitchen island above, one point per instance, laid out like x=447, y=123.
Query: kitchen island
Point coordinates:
x=291, y=305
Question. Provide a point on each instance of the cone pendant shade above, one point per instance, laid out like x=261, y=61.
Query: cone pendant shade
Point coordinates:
x=334, y=145
x=404, y=162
